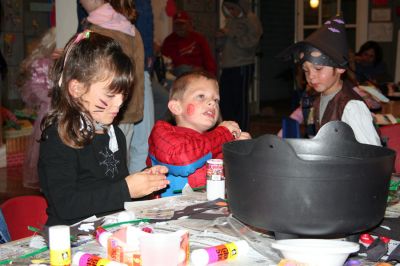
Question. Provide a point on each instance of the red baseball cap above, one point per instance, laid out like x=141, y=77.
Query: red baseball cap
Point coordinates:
x=181, y=16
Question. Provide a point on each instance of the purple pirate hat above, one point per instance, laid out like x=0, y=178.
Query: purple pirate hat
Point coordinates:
x=330, y=40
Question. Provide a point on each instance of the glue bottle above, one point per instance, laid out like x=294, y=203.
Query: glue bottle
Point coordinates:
x=215, y=179
x=102, y=236
x=59, y=245
x=226, y=251
x=87, y=259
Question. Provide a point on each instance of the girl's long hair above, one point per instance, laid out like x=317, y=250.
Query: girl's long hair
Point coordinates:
x=43, y=49
x=126, y=8
x=88, y=58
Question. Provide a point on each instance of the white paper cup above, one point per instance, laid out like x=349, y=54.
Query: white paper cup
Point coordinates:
x=160, y=249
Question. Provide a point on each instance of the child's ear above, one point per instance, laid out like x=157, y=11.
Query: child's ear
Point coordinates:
x=175, y=107
x=75, y=88
x=341, y=70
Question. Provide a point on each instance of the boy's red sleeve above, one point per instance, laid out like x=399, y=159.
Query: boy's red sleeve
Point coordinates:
x=176, y=145
x=217, y=137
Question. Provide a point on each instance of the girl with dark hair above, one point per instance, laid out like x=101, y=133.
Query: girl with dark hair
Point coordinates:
x=82, y=163
x=369, y=64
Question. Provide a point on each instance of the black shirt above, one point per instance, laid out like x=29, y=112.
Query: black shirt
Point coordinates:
x=79, y=183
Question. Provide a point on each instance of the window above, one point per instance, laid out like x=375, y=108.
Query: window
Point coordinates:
x=309, y=19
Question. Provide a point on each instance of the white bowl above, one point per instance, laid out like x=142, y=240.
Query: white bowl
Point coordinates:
x=316, y=252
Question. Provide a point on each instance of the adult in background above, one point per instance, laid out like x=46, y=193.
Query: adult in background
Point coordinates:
x=139, y=146
x=370, y=65
x=238, y=41
x=188, y=49
x=108, y=18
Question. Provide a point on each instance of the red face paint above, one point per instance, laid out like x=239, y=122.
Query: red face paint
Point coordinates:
x=190, y=109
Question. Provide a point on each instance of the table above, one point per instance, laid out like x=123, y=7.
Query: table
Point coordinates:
x=203, y=233
x=391, y=107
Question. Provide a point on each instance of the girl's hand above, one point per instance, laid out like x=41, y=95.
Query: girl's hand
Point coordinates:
x=244, y=135
x=233, y=127
x=146, y=182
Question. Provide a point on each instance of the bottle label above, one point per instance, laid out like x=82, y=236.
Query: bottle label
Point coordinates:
x=61, y=257
x=215, y=169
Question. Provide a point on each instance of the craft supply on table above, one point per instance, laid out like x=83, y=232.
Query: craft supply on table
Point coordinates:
x=60, y=245
x=215, y=179
x=222, y=252
x=102, y=236
x=87, y=259
x=170, y=249
x=325, y=252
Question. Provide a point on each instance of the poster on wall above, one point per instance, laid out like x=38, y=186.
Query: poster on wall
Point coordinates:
x=380, y=32
x=12, y=19
x=12, y=46
x=381, y=14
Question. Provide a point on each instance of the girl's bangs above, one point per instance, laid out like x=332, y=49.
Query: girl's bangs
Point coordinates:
x=121, y=83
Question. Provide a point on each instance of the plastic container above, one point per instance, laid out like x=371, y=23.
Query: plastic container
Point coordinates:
x=315, y=252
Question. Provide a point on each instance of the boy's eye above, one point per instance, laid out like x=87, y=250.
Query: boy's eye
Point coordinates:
x=200, y=96
x=216, y=101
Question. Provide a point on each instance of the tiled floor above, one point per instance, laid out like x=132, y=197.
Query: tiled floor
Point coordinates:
x=267, y=122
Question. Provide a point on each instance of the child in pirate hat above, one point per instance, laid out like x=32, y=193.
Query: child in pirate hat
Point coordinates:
x=324, y=59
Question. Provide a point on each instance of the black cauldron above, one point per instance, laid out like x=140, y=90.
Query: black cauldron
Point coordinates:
x=328, y=185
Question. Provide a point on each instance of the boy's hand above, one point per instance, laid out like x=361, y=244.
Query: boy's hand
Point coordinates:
x=243, y=135
x=233, y=127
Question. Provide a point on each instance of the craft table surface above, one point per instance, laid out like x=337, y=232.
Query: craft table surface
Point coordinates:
x=202, y=234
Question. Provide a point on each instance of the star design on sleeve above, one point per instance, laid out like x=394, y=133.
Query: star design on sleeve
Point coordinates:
x=110, y=162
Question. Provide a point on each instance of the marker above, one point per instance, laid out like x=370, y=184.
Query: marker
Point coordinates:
x=213, y=254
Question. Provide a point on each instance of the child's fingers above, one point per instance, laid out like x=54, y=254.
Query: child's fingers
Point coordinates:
x=158, y=169
x=244, y=135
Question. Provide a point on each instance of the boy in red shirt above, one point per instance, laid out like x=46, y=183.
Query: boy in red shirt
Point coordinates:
x=185, y=148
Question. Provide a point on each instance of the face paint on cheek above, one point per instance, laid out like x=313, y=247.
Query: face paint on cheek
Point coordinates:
x=102, y=107
x=190, y=109
x=103, y=102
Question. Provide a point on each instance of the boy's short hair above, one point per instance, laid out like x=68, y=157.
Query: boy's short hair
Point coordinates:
x=330, y=40
x=181, y=83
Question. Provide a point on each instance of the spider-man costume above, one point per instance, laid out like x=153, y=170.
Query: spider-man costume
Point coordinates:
x=185, y=152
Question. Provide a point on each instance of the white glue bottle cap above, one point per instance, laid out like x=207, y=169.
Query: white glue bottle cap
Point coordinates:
x=59, y=237
x=103, y=238
x=200, y=257
x=77, y=257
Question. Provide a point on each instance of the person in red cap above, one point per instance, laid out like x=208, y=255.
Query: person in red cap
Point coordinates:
x=324, y=58
x=188, y=49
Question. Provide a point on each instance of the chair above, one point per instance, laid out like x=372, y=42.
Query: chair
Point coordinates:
x=290, y=128
x=391, y=135
x=23, y=211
